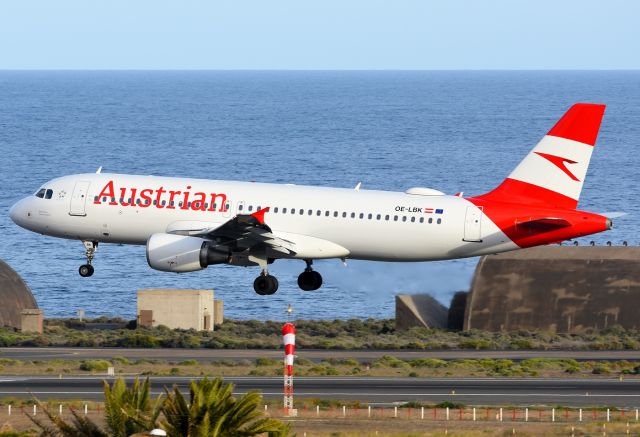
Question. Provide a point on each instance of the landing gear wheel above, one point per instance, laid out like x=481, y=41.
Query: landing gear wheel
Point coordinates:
x=90, y=247
x=309, y=280
x=265, y=285
x=86, y=270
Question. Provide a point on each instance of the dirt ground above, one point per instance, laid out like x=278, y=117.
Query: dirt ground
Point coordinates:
x=336, y=426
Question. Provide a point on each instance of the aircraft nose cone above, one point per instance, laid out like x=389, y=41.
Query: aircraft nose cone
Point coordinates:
x=18, y=212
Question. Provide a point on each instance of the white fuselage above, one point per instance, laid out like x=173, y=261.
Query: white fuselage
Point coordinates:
x=357, y=224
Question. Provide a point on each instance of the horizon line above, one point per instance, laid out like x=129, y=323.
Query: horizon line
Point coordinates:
x=318, y=69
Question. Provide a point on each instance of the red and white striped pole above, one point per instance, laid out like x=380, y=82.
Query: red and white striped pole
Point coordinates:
x=289, y=338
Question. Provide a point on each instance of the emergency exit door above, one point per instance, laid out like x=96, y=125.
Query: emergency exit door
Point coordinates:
x=473, y=224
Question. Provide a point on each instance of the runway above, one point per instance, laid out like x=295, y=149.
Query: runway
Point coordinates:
x=209, y=355
x=482, y=391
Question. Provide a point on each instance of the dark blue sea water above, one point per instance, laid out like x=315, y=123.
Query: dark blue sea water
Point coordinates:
x=454, y=131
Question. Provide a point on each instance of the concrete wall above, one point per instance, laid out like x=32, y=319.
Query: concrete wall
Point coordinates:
x=32, y=321
x=556, y=288
x=15, y=296
x=419, y=310
x=218, y=312
x=183, y=309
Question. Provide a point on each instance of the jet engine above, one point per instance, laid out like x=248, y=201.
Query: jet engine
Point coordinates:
x=179, y=253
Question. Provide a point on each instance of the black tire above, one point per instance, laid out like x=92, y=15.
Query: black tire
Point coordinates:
x=309, y=281
x=265, y=285
x=317, y=280
x=86, y=270
x=273, y=284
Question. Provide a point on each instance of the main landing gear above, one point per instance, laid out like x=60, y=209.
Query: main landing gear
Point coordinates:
x=309, y=280
x=87, y=269
x=266, y=284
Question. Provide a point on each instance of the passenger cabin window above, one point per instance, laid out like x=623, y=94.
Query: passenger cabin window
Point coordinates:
x=421, y=219
x=284, y=210
x=250, y=207
x=318, y=213
x=361, y=215
x=344, y=214
x=439, y=221
x=275, y=210
x=335, y=213
x=310, y=212
x=386, y=217
x=430, y=220
x=239, y=207
x=353, y=215
x=41, y=192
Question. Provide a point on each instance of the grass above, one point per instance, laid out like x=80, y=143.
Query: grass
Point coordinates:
x=387, y=365
x=315, y=334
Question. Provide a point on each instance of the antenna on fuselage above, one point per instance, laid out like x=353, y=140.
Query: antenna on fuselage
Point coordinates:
x=99, y=170
x=357, y=188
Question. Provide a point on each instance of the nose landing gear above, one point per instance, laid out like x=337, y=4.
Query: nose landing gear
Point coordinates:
x=87, y=269
x=309, y=280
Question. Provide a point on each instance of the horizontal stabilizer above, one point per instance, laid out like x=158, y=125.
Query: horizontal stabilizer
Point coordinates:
x=613, y=214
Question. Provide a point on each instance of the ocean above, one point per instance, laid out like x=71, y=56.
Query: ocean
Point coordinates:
x=449, y=130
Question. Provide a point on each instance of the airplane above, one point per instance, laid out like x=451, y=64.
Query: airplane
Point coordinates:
x=190, y=224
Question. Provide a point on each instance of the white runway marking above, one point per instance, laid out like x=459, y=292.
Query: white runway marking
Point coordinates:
x=306, y=393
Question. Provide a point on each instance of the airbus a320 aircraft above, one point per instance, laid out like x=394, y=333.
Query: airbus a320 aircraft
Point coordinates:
x=190, y=224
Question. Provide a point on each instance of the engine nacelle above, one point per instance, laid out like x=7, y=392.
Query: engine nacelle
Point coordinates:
x=179, y=253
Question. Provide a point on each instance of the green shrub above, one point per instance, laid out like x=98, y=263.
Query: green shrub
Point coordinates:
x=188, y=363
x=601, y=369
x=121, y=360
x=263, y=361
x=428, y=362
x=95, y=365
x=476, y=344
x=389, y=361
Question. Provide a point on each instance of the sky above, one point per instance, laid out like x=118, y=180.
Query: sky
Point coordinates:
x=319, y=34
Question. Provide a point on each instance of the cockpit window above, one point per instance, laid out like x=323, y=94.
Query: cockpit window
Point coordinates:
x=40, y=193
x=49, y=194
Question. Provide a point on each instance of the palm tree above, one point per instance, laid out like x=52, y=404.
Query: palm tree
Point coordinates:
x=129, y=410
x=212, y=411
x=78, y=426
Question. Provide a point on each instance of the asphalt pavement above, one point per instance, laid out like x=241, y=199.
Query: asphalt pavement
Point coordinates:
x=208, y=355
x=469, y=391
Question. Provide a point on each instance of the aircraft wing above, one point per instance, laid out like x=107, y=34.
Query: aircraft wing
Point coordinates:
x=243, y=231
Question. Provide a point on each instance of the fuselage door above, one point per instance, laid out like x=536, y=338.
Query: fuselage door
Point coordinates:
x=473, y=224
x=79, y=198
